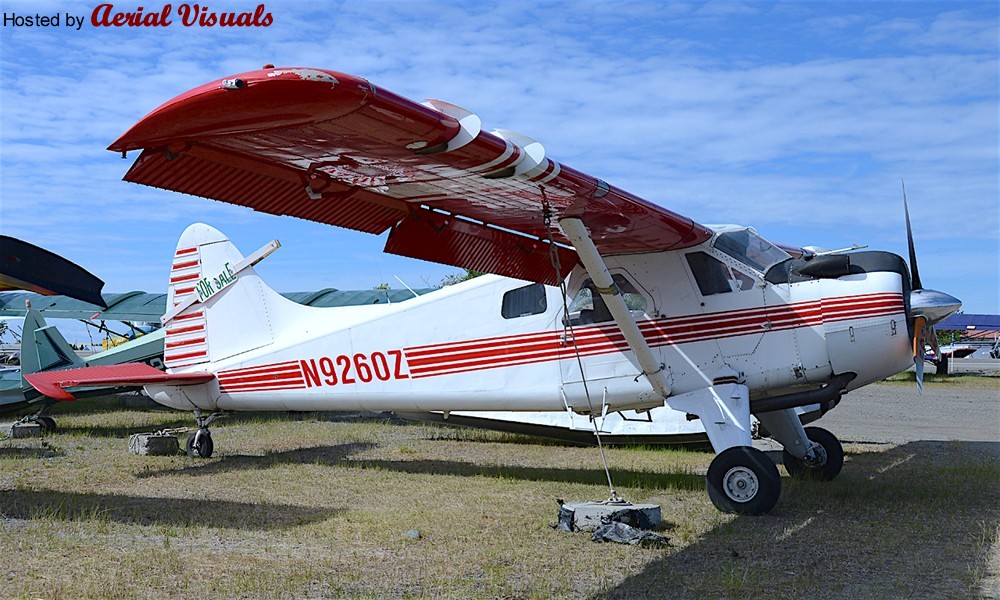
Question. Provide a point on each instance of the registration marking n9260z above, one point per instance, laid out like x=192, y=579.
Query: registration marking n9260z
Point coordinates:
x=347, y=369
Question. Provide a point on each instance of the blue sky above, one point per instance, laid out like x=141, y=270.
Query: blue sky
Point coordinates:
x=799, y=118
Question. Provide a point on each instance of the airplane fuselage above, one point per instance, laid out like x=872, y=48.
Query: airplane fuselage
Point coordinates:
x=496, y=343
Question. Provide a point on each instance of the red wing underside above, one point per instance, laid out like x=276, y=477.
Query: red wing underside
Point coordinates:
x=54, y=384
x=332, y=148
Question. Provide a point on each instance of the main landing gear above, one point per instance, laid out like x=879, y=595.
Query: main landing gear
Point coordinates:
x=199, y=443
x=45, y=422
x=744, y=480
x=826, y=461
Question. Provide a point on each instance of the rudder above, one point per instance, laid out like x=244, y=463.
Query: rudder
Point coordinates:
x=226, y=310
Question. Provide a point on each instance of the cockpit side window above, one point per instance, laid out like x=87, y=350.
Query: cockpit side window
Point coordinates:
x=750, y=249
x=589, y=307
x=524, y=301
x=715, y=277
x=709, y=273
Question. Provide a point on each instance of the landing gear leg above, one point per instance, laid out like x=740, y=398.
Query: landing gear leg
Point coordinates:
x=741, y=479
x=200, y=442
x=809, y=453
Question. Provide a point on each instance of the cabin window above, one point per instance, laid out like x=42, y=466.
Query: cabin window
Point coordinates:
x=589, y=307
x=709, y=274
x=750, y=249
x=715, y=277
x=524, y=301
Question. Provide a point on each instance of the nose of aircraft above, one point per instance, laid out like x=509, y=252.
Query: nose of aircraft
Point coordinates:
x=932, y=305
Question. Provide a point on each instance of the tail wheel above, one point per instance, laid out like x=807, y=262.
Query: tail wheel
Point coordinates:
x=47, y=423
x=200, y=444
x=743, y=480
x=831, y=457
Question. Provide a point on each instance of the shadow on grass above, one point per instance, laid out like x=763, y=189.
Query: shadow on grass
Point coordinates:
x=182, y=419
x=318, y=455
x=914, y=521
x=140, y=510
x=623, y=478
x=340, y=454
x=123, y=432
x=29, y=453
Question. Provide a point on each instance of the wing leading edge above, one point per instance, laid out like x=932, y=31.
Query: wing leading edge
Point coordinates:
x=333, y=148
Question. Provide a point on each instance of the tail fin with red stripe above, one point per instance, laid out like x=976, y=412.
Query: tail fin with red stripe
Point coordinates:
x=216, y=303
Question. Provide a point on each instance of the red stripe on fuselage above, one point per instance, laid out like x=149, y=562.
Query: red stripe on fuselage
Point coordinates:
x=487, y=353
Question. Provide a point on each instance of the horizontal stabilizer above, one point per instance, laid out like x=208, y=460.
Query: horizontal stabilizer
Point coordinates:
x=55, y=383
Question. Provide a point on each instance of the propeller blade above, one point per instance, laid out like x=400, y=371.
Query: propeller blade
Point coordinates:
x=919, y=324
x=919, y=365
x=931, y=336
x=915, y=276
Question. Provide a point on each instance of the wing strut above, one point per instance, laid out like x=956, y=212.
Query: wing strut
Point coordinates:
x=599, y=274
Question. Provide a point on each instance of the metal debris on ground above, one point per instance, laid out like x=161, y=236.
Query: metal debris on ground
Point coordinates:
x=626, y=534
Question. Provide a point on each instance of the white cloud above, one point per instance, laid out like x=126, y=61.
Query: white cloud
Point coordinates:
x=800, y=118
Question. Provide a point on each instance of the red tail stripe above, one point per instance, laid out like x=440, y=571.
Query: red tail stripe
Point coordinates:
x=174, y=357
x=184, y=265
x=193, y=315
x=182, y=278
x=187, y=329
x=190, y=342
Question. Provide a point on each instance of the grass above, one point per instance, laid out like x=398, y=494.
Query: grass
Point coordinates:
x=314, y=506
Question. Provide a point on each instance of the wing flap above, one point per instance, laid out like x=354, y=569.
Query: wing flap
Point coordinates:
x=450, y=240
x=54, y=384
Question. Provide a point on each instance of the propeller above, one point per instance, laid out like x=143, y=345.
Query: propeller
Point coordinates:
x=927, y=307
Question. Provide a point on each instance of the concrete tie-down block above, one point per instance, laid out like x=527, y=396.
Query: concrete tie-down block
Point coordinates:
x=588, y=516
x=153, y=444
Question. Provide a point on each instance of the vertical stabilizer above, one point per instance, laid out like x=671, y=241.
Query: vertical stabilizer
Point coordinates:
x=224, y=304
x=44, y=348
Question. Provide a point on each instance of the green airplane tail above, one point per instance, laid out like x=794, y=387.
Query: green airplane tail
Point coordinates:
x=43, y=348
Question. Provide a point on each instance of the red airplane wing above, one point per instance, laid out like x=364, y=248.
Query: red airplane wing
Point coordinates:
x=54, y=383
x=333, y=148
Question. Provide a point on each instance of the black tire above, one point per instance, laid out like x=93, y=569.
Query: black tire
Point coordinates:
x=743, y=480
x=832, y=464
x=199, y=444
x=48, y=424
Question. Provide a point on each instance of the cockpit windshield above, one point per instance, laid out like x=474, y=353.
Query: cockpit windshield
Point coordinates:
x=750, y=249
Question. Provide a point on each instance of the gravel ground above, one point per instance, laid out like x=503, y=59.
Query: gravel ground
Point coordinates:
x=895, y=413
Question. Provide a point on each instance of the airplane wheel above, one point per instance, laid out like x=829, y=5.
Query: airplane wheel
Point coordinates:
x=200, y=444
x=743, y=480
x=48, y=424
x=833, y=461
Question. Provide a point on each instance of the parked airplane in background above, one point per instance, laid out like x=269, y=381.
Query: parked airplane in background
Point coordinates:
x=24, y=266
x=43, y=347
x=651, y=308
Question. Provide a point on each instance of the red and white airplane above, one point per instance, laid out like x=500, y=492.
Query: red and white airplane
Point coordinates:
x=600, y=301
